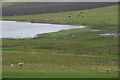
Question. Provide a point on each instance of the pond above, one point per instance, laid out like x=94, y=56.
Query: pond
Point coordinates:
x=14, y=29
x=109, y=34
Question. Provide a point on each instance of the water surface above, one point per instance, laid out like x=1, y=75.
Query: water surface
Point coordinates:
x=13, y=29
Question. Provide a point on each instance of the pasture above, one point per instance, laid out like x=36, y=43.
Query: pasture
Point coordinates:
x=55, y=64
x=70, y=57
x=99, y=18
x=76, y=53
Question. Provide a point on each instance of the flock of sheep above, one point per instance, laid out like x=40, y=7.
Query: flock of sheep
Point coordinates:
x=77, y=15
x=19, y=64
x=22, y=64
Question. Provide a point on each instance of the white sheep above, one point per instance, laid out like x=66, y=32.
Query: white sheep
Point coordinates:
x=108, y=69
x=20, y=64
x=12, y=65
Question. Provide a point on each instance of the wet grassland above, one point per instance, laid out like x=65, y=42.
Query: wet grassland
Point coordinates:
x=68, y=53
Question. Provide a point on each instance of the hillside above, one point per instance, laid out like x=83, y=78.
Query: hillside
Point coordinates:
x=11, y=9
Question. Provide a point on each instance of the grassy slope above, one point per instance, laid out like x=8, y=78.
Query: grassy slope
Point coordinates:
x=105, y=17
x=45, y=64
x=65, y=57
x=84, y=40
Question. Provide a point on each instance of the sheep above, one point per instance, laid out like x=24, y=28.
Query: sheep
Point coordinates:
x=108, y=69
x=20, y=64
x=12, y=65
x=72, y=35
x=69, y=16
x=112, y=62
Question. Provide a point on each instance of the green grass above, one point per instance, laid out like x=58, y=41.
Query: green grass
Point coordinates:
x=71, y=65
x=86, y=54
x=101, y=18
x=56, y=75
x=84, y=41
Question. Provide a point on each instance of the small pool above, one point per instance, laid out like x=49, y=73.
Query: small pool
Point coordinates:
x=109, y=34
x=13, y=29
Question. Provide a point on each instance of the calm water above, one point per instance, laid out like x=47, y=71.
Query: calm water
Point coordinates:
x=109, y=34
x=13, y=29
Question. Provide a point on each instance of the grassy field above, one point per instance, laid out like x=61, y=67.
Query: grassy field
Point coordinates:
x=101, y=18
x=75, y=53
x=84, y=41
x=70, y=57
x=42, y=63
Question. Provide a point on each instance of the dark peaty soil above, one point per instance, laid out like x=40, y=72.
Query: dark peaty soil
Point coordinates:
x=52, y=7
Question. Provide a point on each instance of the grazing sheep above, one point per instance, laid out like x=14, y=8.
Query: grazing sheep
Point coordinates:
x=20, y=64
x=69, y=16
x=72, y=35
x=81, y=12
x=12, y=65
x=112, y=62
x=108, y=69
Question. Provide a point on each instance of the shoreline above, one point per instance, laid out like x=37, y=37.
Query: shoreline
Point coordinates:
x=53, y=28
